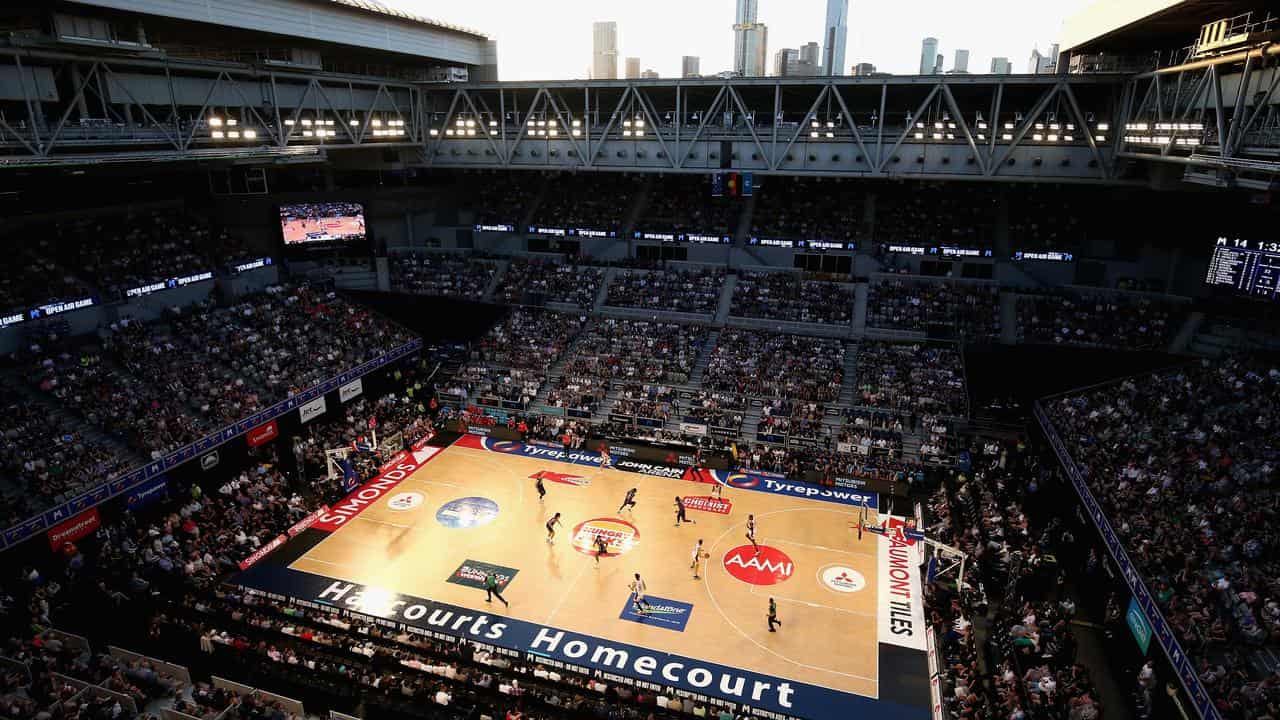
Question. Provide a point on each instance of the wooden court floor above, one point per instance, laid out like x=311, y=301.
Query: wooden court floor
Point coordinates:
x=827, y=638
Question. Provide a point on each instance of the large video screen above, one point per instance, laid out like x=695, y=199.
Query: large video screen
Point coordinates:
x=322, y=223
x=1250, y=267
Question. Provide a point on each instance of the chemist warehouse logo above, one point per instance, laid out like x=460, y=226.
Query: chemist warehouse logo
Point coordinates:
x=601, y=656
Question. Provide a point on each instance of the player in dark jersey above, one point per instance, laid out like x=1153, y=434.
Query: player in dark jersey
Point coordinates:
x=773, y=615
x=551, y=528
x=680, y=516
x=542, y=489
x=602, y=548
x=751, y=532
x=629, y=501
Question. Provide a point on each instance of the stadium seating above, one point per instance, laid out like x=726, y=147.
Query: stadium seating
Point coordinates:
x=532, y=282
x=930, y=213
x=596, y=201
x=911, y=377
x=1168, y=455
x=808, y=209
x=785, y=296
x=1111, y=320
x=789, y=368
x=694, y=290
x=683, y=204
x=916, y=303
x=441, y=275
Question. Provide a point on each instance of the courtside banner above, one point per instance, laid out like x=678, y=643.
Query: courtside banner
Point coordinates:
x=750, y=692
x=312, y=410
x=350, y=390
x=80, y=526
x=262, y=434
x=543, y=452
x=374, y=490
x=760, y=482
x=900, y=613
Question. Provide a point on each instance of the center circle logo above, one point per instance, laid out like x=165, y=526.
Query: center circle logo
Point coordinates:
x=842, y=579
x=619, y=536
x=406, y=501
x=741, y=480
x=467, y=512
x=770, y=567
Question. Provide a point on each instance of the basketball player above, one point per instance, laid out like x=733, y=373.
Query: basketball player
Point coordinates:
x=551, y=528
x=638, y=589
x=751, y=532
x=717, y=488
x=697, y=558
x=542, y=489
x=773, y=615
x=628, y=501
x=602, y=548
x=680, y=516
x=605, y=461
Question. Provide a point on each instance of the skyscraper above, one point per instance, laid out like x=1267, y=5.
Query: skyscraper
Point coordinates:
x=633, y=68
x=604, y=51
x=1043, y=63
x=1001, y=66
x=864, y=69
x=649, y=74
x=961, y=64
x=928, y=55
x=689, y=66
x=783, y=60
x=833, y=37
x=809, y=54
x=750, y=40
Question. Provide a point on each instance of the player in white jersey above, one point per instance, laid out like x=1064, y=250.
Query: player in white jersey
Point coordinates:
x=751, y=532
x=698, y=556
x=638, y=590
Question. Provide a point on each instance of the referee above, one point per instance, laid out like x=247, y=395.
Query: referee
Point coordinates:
x=491, y=588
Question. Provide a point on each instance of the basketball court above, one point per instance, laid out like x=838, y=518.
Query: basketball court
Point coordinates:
x=414, y=545
x=301, y=230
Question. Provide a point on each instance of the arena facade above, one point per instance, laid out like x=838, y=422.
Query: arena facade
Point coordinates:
x=921, y=397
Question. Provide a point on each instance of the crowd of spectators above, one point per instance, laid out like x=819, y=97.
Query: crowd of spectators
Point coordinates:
x=935, y=213
x=715, y=409
x=441, y=274
x=785, y=367
x=1111, y=320
x=593, y=201
x=808, y=209
x=786, y=296
x=46, y=458
x=917, y=303
x=501, y=198
x=1184, y=464
x=911, y=377
x=873, y=433
x=673, y=289
x=511, y=361
x=533, y=282
x=684, y=204
x=639, y=350
x=646, y=401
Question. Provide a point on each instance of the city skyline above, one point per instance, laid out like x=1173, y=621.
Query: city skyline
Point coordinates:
x=534, y=44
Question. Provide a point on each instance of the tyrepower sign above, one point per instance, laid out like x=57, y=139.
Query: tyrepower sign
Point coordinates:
x=312, y=410
x=263, y=434
x=80, y=526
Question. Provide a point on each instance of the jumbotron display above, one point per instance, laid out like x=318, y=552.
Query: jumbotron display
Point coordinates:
x=1251, y=267
x=322, y=223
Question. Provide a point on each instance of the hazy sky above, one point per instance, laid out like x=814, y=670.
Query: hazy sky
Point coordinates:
x=551, y=39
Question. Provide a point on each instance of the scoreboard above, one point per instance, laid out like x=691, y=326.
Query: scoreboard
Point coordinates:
x=1250, y=267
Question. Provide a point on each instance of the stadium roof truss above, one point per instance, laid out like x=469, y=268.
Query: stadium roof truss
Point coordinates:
x=1219, y=117
x=976, y=127
x=58, y=108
